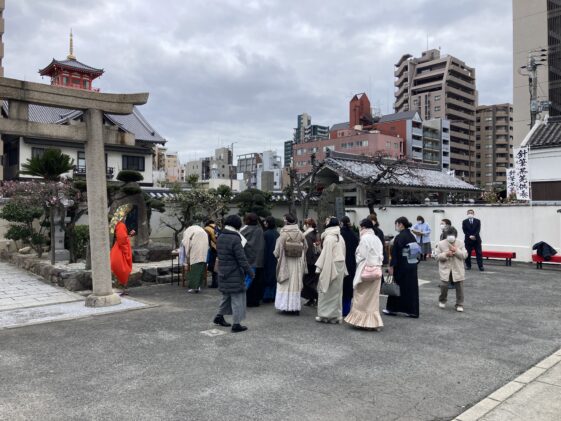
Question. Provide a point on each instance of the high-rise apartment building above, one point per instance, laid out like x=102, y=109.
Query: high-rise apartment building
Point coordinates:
x=495, y=145
x=303, y=120
x=536, y=41
x=442, y=87
x=288, y=153
x=306, y=131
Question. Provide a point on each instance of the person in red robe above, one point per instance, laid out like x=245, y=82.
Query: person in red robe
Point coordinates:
x=121, y=252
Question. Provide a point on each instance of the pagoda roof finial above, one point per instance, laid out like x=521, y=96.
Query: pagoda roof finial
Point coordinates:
x=71, y=55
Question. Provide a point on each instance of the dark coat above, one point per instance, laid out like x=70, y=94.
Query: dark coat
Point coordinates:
x=544, y=250
x=471, y=229
x=232, y=263
x=255, y=247
x=351, y=244
x=380, y=234
x=311, y=256
x=270, y=261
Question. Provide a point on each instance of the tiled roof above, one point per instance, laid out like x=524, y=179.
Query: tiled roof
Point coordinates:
x=404, y=115
x=362, y=170
x=547, y=134
x=75, y=64
x=340, y=126
x=134, y=123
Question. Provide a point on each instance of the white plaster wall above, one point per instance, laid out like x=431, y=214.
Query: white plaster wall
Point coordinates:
x=545, y=164
x=114, y=159
x=503, y=228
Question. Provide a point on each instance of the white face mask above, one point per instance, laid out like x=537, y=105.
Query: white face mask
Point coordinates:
x=305, y=227
x=470, y=215
x=451, y=238
x=442, y=226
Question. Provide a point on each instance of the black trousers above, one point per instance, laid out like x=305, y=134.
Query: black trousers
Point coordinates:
x=474, y=245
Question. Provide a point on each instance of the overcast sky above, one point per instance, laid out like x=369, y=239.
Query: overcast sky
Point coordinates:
x=220, y=71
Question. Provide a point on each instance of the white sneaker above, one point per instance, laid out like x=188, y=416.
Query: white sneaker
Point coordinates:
x=460, y=309
x=442, y=305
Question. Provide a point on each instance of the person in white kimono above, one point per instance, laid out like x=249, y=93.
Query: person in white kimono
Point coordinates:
x=332, y=269
x=290, y=251
x=365, y=311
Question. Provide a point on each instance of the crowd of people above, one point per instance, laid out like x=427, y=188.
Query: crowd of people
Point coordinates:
x=340, y=272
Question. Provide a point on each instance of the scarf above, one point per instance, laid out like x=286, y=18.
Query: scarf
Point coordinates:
x=119, y=215
x=309, y=230
x=230, y=228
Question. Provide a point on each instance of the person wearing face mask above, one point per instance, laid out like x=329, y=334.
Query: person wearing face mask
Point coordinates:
x=471, y=228
x=404, y=271
x=422, y=233
x=331, y=269
x=445, y=225
x=451, y=254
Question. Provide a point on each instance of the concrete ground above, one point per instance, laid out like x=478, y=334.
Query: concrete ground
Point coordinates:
x=157, y=364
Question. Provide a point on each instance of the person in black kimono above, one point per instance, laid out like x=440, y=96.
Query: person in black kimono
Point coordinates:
x=404, y=273
x=310, y=290
x=351, y=244
x=270, y=261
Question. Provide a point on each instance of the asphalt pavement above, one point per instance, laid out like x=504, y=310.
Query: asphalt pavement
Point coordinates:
x=170, y=363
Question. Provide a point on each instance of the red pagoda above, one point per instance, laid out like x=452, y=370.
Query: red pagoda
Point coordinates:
x=71, y=73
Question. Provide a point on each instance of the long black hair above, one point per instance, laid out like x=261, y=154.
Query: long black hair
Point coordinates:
x=403, y=221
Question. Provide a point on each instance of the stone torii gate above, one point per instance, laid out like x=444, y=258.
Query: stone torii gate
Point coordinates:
x=20, y=94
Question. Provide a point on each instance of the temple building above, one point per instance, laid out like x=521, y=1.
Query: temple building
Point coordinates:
x=130, y=140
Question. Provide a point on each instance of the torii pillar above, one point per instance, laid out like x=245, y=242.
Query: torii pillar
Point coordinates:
x=20, y=94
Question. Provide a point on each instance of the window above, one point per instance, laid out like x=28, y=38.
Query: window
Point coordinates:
x=81, y=163
x=37, y=152
x=437, y=108
x=65, y=80
x=396, y=146
x=86, y=84
x=437, y=97
x=135, y=163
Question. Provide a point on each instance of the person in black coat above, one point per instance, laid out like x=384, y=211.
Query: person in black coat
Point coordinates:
x=351, y=244
x=313, y=239
x=232, y=270
x=471, y=227
x=404, y=273
x=254, y=251
x=270, y=261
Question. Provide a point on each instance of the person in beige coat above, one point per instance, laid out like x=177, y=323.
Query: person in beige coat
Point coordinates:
x=451, y=254
x=196, y=244
x=290, y=269
x=331, y=269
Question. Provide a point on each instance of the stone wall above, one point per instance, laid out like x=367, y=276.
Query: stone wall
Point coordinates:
x=71, y=279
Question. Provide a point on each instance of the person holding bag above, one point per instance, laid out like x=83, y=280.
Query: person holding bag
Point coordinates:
x=365, y=311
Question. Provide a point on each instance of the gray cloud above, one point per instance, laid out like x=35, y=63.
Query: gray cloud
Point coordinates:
x=235, y=70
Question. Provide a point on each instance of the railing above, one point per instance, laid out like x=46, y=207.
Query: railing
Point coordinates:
x=81, y=172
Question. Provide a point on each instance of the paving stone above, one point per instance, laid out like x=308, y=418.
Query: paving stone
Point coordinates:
x=506, y=391
x=478, y=410
x=530, y=375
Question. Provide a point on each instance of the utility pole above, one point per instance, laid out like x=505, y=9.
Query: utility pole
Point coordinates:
x=536, y=58
x=232, y=165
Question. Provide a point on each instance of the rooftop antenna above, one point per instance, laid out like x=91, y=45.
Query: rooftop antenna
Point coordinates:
x=71, y=55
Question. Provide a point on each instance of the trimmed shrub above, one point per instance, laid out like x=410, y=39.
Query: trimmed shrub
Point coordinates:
x=128, y=176
x=131, y=190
